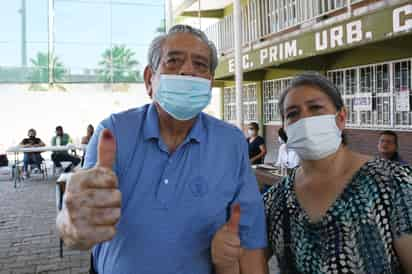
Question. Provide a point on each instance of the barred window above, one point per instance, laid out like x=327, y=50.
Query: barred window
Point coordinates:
x=250, y=112
x=229, y=104
x=250, y=103
x=272, y=89
x=402, y=90
x=378, y=95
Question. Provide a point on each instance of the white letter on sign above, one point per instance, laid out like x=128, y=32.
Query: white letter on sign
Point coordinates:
x=398, y=25
x=321, y=42
x=336, y=37
x=273, y=54
x=263, y=55
x=291, y=49
x=354, y=31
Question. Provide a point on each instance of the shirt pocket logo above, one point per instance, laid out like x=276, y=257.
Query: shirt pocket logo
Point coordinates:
x=198, y=187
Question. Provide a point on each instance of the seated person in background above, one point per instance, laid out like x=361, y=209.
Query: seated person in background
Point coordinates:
x=86, y=139
x=62, y=139
x=90, y=131
x=287, y=158
x=388, y=146
x=31, y=158
x=257, y=148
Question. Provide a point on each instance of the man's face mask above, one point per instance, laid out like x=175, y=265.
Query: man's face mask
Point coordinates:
x=314, y=138
x=183, y=97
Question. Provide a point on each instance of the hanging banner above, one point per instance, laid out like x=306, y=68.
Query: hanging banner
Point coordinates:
x=363, y=102
x=402, y=100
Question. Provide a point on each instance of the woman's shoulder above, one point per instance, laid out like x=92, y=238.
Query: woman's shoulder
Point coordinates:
x=260, y=139
x=382, y=167
x=276, y=196
x=386, y=174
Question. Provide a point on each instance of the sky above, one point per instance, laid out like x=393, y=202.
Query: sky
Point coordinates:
x=83, y=29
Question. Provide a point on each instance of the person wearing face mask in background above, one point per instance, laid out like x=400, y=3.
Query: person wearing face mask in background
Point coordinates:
x=257, y=148
x=161, y=179
x=31, y=158
x=288, y=159
x=339, y=211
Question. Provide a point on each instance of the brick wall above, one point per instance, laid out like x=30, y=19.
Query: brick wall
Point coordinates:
x=364, y=141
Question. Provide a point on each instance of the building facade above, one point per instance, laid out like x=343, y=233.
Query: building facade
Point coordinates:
x=363, y=47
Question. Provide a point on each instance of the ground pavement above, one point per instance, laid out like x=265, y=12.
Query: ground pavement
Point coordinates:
x=28, y=237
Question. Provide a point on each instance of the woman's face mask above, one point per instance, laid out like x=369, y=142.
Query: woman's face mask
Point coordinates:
x=315, y=137
x=251, y=132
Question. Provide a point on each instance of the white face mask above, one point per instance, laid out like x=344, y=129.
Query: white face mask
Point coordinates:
x=250, y=133
x=314, y=138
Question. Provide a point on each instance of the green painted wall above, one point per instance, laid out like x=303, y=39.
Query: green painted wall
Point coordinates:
x=229, y=9
x=398, y=48
x=276, y=73
x=205, y=13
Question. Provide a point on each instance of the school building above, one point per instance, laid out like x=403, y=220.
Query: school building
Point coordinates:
x=363, y=47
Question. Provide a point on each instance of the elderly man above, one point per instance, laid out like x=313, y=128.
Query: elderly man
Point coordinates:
x=163, y=178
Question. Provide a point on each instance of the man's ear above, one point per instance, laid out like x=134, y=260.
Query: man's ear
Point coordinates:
x=147, y=76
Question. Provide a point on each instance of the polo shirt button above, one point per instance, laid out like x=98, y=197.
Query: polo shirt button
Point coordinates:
x=166, y=181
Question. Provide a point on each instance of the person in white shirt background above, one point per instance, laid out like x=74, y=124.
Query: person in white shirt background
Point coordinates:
x=287, y=158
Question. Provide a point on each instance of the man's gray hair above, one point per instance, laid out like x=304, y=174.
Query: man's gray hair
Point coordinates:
x=155, y=50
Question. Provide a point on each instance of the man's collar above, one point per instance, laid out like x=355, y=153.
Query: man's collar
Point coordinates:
x=151, y=126
x=151, y=123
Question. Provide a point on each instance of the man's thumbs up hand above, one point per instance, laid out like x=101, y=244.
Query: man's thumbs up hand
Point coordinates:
x=92, y=200
x=226, y=249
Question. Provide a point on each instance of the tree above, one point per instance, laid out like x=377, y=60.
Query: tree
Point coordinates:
x=40, y=72
x=119, y=65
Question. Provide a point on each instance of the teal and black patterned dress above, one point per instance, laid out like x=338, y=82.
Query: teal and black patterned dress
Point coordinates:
x=357, y=233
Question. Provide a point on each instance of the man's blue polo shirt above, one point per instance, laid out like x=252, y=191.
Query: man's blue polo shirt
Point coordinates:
x=173, y=204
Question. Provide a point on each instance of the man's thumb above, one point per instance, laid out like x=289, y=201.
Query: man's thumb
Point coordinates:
x=106, y=150
x=233, y=223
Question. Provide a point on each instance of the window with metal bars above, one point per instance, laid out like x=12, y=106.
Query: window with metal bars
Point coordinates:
x=402, y=90
x=387, y=86
x=250, y=109
x=272, y=89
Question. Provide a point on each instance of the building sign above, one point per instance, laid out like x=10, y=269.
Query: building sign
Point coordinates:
x=363, y=102
x=369, y=28
x=402, y=100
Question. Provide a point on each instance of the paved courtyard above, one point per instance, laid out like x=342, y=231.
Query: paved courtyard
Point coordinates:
x=28, y=237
